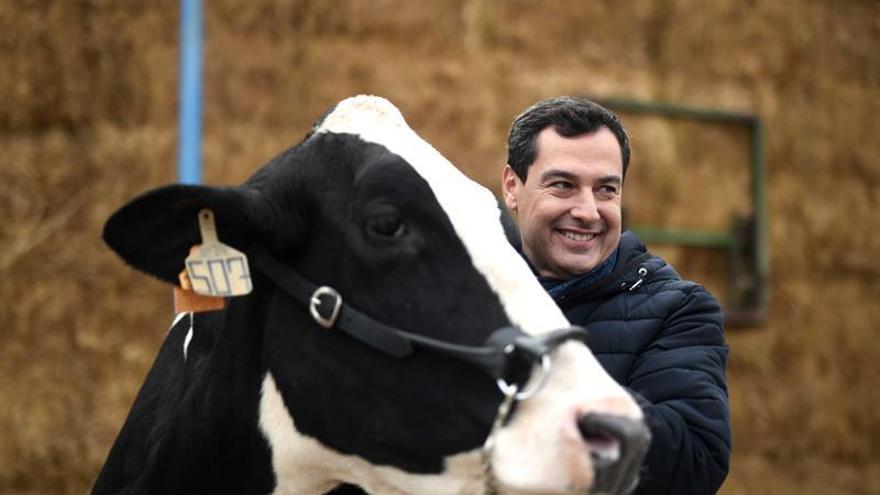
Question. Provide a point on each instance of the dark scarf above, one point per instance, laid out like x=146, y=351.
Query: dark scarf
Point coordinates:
x=559, y=289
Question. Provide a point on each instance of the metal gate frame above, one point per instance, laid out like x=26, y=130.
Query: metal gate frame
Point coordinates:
x=746, y=242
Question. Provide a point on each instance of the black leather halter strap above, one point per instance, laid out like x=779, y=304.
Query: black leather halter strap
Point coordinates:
x=329, y=311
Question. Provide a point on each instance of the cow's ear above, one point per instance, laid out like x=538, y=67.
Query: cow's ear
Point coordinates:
x=155, y=231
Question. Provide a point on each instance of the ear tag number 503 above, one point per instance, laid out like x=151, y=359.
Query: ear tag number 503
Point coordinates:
x=216, y=269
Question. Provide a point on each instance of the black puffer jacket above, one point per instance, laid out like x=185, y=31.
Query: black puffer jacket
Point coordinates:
x=662, y=338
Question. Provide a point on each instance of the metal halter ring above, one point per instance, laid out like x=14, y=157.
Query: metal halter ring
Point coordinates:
x=527, y=393
x=316, y=301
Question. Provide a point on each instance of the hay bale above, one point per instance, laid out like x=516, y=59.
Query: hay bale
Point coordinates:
x=87, y=120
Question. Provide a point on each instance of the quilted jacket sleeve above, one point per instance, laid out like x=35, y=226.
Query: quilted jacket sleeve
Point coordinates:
x=680, y=381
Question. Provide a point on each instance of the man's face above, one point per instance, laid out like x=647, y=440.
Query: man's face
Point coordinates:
x=568, y=209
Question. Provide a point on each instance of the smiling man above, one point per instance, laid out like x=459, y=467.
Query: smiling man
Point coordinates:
x=570, y=211
x=659, y=336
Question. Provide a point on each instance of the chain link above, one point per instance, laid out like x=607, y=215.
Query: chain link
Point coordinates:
x=489, y=446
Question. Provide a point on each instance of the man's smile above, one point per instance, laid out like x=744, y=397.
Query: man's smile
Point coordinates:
x=578, y=236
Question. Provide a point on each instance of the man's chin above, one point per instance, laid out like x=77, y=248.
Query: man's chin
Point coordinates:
x=568, y=269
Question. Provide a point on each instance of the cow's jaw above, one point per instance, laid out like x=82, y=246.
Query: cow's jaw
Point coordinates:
x=303, y=466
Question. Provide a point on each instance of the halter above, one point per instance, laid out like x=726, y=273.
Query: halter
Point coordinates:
x=496, y=357
x=504, y=349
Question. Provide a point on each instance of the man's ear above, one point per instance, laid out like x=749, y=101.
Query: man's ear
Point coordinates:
x=155, y=231
x=510, y=185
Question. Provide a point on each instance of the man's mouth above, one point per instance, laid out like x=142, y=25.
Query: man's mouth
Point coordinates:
x=576, y=236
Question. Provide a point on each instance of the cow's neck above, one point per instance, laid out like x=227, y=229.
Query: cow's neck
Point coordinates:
x=222, y=446
x=302, y=464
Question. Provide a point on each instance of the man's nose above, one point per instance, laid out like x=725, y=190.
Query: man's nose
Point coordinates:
x=585, y=208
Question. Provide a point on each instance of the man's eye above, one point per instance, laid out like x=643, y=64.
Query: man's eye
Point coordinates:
x=561, y=184
x=608, y=189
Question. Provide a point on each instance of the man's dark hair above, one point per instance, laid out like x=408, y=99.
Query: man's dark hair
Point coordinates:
x=570, y=116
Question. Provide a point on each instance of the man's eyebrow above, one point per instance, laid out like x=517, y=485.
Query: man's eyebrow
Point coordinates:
x=557, y=174
x=562, y=174
x=611, y=179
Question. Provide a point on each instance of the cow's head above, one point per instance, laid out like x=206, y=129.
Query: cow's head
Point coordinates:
x=367, y=207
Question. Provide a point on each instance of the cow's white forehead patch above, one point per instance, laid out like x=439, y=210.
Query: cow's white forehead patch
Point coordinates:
x=471, y=208
x=360, y=111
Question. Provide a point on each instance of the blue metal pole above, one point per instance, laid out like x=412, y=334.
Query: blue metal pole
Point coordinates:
x=189, y=164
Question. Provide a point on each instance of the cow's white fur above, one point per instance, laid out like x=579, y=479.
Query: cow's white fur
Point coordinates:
x=189, y=335
x=540, y=450
x=303, y=466
x=177, y=319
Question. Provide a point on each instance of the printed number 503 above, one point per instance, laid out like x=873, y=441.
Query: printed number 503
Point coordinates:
x=220, y=276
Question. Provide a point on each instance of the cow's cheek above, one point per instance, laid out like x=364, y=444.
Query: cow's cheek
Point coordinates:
x=541, y=449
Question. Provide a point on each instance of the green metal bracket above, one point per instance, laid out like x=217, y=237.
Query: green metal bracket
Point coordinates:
x=746, y=243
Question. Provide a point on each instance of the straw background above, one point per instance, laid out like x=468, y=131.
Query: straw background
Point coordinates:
x=88, y=109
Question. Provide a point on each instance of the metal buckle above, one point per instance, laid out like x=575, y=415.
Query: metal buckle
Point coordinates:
x=316, y=301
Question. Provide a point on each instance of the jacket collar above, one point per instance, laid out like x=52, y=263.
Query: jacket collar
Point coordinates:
x=633, y=266
x=556, y=287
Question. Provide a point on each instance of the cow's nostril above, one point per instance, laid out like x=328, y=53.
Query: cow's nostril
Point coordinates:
x=617, y=446
x=604, y=449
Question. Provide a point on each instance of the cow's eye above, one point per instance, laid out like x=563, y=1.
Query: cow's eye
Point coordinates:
x=387, y=225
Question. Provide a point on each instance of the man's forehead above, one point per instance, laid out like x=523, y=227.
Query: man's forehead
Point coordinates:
x=550, y=140
x=596, y=152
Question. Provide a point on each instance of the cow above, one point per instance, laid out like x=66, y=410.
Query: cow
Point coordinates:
x=392, y=338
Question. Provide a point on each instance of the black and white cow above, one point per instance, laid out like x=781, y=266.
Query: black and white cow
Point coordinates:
x=259, y=398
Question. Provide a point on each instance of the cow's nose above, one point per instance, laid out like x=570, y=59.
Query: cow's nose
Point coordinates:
x=617, y=445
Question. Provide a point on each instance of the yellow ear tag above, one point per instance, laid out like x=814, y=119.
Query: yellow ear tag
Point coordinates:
x=216, y=269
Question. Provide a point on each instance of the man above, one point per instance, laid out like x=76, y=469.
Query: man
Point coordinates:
x=659, y=336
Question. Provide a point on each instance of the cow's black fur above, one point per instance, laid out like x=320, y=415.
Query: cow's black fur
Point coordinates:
x=329, y=208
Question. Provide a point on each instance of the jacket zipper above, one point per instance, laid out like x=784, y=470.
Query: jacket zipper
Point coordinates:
x=643, y=272
x=612, y=279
